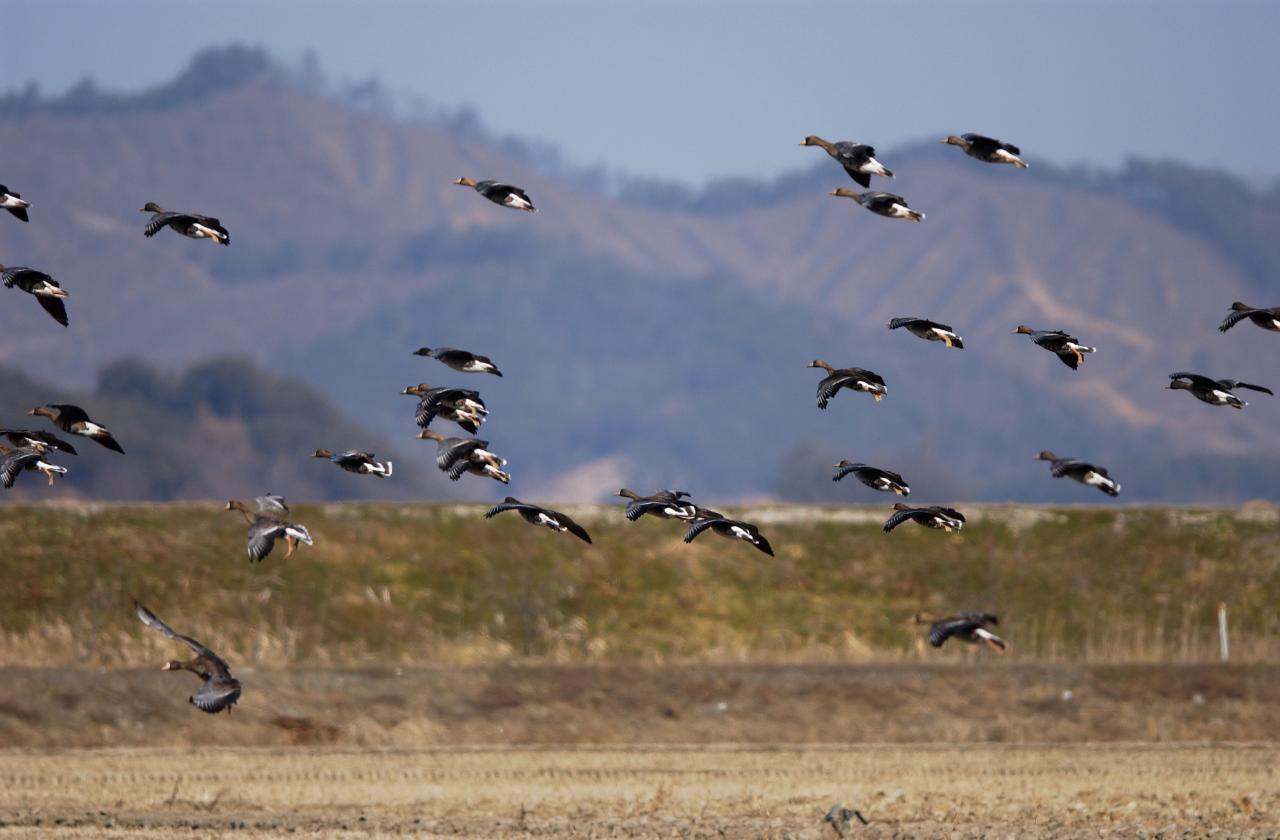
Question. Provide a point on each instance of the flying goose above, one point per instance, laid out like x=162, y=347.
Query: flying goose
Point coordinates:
x=460, y=360
x=457, y=456
x=968, y=627
x=929, y=330
x=945, y=518
x=731, y=528
x=873, y=477
x=535, y=515
x=1268, y=319
x=267, y=522
x=355, y=461
x=987, y=149
x=1212, y=391
x=45, y=289
x=75, y=420
x=857, y=159
x=882, y=203
x=459, y=405
x=664, y=504
x=841, y=819
x=1067, y=347
x=191, y=225
x=219, y=690
x=26, y=459
x=504, y=194
x=12, y=201
x=1081, y=471
x=855, y=379
x=27, y=438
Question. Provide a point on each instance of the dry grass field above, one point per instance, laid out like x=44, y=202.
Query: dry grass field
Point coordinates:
x=644, y=791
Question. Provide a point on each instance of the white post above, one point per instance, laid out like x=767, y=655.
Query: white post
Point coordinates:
x=1224, y=650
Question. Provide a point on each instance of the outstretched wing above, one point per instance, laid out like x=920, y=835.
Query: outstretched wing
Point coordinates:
x=843, y=471
x=700, y=525
x=572, y=527
x=13, y=463
x=272, y=504
x=1062, y=466
x=942, y=630
x=1235, y=385
x=1195, y=379
x=70, y=414
x=509, y=504
x=262, y=536
x=55, y=307
x=159, y=220
x=903, y=322
x=898, y=517
x=149, y=618
x=1234, y=318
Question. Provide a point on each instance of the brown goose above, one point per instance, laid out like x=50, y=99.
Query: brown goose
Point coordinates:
x=855, y=379
x=859, y=160
x=731, y=528
x=1212, y=391
x=504, y=194
x=970, y=627
x=929, y=331
x=943, y=518
x=535, y=515
x=459, y=456
x=882, y=204
x=460, y=360
x=987, y=149
x=873, y=477
x=1268, y=319
x=219, y=690
x=47, y=291
x=191, y=225
x=664, y=504
x=1066, y=347
x=267, y=522
x=355, y=461
x=75, y=420
x=458, y=405
x=1081, y=471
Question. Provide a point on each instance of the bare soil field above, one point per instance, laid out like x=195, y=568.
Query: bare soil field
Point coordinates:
x=643, y=791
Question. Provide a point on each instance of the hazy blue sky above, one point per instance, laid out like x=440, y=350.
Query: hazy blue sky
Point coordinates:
x=692, y=89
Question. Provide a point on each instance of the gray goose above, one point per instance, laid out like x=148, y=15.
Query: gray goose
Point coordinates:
x=970, y=627
x=873, y=477
x=1066, y=347
x=460, y=360
x=13, y=202
x=535, y=515
x=1268, y=319
x=458, y=405
x=944, y=518
x=929, y=331
x=664, y=504
x=855, y=379
x=47, y=292
x=268, y=521
x=458, y=456
x=987, y=149
x=219, y=690
x=355, y=461
x=1081, y=471
x=75, y=420
x=841, y=819
x=882, y=204
x=191, y=225
x=13, y=462
x=504, y=194
x=1212, y=391
x=732, y=528
x=859, y=160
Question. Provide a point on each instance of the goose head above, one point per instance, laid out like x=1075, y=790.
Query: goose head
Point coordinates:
x=1237, y=306
x=1023, y=329
x=953, y=140
x=628, y=494
x=818, y=363
x=1046, y=455
x=422, y=351
x=902, y=506
x=42, y=411
x=416, y=390
x=151, y=207
x=1178, y=385
x=465, y=182
x=814, y=140
x=844, y=192
x=428, y=434
x=322, y=453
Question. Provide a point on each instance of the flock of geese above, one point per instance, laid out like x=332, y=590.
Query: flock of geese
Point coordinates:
x=268, y=518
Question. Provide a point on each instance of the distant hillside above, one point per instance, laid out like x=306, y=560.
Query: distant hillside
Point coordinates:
x=221, y=428
x=662, y=337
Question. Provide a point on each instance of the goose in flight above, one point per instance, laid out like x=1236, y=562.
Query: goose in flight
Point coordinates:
x=458, y=456
x=1268, y=319
x=944, y=518
x=841, y=819
x=268, y=521
x=47, y=291
x=459, y=405
x=664, y=504
x=873, y=477
x=504, y=194
x=1081, y=471
x=355, y=461
x=13, y=202
x=858, y=160
x=987, y=149
x=882, y=204
x=191, y=225
x=75, y=420
x=27, y=438
x=218, y=690
x=855, y=379
x=460, y=360
x=13, y=462
x=1212, y=391
x=535, y=515
x=731, y=528
x=929, y=331
x=1067, y=347
x=968, y=627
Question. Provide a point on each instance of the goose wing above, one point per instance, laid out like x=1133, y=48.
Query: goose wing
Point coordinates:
x=945, y=628
x=453, y=450
x=271, y=504
x=21, y=437
x=950, y=513
x=160, y=220
x=1066, y=466
x=1197, y=380
x=69, y=415
x=1068, y=358
x=1053, y=340
x=700, y=525
x=828, y=387
x=217, y=693
x=905, y=322
x=512, y=503
x=149, y=618
x=841, y=472
x=868, y=376
x=55, y=307
x=263, y=531
x=1232, y=384
x=571, y=526
x=13, y=463
x=1236, y=317
x=900, y=516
